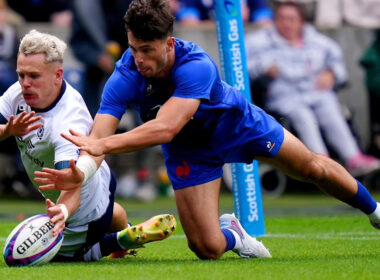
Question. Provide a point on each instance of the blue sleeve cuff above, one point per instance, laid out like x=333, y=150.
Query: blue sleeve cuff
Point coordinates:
x=62, y=165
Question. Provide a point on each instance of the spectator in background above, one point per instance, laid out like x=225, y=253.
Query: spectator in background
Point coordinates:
x=303, y=67
x=13, y=179
x=98, y=39
x=193, y=12
x=260, y=12
x=11, y=17
x=55, y=11
x=8, y=53
x=370, y=61
x=335, y=13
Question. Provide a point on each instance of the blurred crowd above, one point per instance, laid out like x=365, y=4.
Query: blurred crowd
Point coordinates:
x=296, y=74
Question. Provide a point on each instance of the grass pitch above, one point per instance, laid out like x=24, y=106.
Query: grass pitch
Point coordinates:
x=309, y=236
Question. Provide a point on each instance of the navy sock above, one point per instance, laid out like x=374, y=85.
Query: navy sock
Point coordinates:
x=362, y=200
x=230, y=239
x=109, y=244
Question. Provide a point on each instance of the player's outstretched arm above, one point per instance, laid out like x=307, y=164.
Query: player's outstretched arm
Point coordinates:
x=64, y=179
x=69, y=178
x=67, y=203
x=171, y=118
x=20, y=126
x=73, y=177
x=85, y=143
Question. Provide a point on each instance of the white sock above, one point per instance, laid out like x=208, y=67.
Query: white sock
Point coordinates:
x=238, y=243
x=375, y=215
x=94, y=254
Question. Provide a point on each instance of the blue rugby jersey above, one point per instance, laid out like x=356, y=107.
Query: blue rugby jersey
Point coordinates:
x=225, y=128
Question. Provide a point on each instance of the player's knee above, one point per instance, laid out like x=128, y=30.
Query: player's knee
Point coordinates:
x=119, y=218
x=209, y=250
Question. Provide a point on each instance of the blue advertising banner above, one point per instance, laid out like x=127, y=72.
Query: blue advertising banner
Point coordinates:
x=245, y=177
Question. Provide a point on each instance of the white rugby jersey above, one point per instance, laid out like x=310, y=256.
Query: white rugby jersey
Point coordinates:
x=45, y=147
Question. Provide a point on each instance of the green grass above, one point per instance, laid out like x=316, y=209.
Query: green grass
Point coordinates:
x=310, y=237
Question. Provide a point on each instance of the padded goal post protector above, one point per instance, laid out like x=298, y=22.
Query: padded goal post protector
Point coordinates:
x=245, y=177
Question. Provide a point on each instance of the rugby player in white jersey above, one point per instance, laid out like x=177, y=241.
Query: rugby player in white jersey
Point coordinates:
x=36, y=110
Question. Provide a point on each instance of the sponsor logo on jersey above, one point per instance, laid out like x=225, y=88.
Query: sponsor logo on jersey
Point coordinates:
x=183, y=170
x=33, y=159
x=27, y=151
x=20, y=108
x=270, y=145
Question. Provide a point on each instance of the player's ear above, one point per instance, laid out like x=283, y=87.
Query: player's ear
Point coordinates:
x=170, y=43
x=59, y=74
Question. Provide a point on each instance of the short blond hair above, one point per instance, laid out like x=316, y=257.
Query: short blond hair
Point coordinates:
x=42, y=43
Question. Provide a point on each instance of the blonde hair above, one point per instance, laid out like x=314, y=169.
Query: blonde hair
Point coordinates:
x=42, y=43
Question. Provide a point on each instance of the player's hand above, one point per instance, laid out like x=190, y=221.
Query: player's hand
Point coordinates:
x=106, y=62
x=64, y=179
x=272, y=71
x=325, y=80
x=92, y=146
x=22, y=125
x=56, y=216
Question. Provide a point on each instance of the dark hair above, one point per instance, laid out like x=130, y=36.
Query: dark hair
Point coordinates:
x=149, y=20
x=298, y=7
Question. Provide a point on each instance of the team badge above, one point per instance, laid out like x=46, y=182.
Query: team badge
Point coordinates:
x=183, y=170
x=20, y=108
x=40, y=132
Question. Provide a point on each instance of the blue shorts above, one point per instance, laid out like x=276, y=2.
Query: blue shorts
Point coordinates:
x=188, y=172
x=263, y=136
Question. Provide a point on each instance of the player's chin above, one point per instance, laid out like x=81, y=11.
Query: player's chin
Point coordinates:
x=147, y=73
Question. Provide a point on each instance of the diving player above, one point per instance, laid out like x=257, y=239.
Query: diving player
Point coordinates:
x=36, y=110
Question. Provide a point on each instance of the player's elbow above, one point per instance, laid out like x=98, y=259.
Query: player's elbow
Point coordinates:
x=167, y=133
x=168, y=128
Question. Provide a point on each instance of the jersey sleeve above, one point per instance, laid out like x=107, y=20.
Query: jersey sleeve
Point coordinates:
x=6, y=107
x=118, y=93
x=195, y=79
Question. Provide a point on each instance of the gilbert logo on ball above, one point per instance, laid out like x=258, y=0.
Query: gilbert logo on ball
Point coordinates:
x=32, y=242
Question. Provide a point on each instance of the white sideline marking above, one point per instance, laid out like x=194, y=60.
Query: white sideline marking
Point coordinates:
x=329, y=236
x=357, y=235
x=324, y=236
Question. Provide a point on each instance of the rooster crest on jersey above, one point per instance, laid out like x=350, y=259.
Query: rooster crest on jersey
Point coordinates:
x=32, y=242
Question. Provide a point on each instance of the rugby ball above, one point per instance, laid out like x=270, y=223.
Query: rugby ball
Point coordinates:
x=32, y=242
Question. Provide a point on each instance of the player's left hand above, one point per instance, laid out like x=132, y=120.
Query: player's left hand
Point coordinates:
x=56, y=216
x=325, y=80
x=64, y=180
x=22, y=125
x=92, y=146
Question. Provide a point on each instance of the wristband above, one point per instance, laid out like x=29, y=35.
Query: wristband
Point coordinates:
x=64, y=211
x=87, y=165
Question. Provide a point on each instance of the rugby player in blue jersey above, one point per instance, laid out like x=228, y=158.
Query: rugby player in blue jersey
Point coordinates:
x=201, y=123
